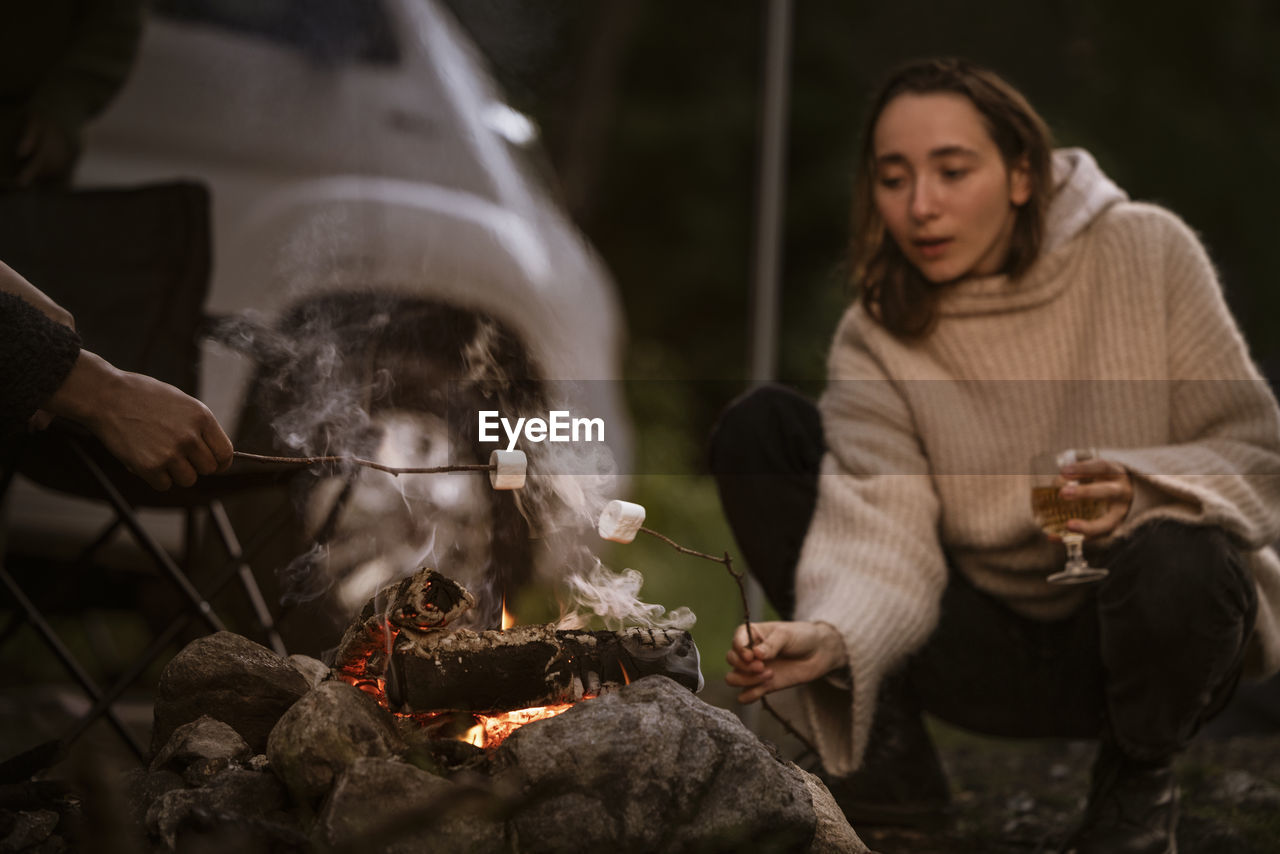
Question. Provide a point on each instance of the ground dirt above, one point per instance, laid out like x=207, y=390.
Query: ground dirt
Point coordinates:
x=1024, y=796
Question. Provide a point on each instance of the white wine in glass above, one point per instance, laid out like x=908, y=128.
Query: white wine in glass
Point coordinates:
x=1052, y=512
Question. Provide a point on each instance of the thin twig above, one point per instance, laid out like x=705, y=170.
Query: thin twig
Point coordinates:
x=680, y=548
x=311, y=461
x=738, y=578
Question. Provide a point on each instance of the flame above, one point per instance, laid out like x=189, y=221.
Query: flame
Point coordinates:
x=479, y=729
x=508, y=619
x=626, y=677
x=492, y=730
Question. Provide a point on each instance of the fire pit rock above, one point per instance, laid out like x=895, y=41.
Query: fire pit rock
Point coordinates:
x=390, y=806
x=203, y=748
x=650, y=767
x=250, y=804
x=231, y=679
x=325, y=732
x=645, y=767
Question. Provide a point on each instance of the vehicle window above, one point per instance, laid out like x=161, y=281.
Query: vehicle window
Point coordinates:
x=330, y=31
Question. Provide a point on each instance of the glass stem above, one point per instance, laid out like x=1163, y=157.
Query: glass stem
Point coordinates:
x=1075, y=549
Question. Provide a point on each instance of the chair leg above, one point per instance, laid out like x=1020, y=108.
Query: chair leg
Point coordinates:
x=144, y=538
x=218, y=514
x=68, y=660
x=143, y=661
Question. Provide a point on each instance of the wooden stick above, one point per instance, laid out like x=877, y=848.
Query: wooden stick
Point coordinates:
x=311, y=461
x=746, y=621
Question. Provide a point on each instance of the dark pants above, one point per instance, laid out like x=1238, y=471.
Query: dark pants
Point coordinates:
x=1155, y=651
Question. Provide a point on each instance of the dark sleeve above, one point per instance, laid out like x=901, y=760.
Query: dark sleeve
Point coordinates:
x=36, y=354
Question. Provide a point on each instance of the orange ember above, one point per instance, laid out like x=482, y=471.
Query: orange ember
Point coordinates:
x=375, y=688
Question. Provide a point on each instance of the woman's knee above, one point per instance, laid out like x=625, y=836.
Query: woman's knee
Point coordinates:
x=757, y=425
x=1170, y=577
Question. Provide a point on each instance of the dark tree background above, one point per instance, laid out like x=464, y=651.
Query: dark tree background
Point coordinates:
x=650, y=118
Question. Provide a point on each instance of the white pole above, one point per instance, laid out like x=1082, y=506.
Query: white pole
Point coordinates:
x=766, y=266
x=762, y=343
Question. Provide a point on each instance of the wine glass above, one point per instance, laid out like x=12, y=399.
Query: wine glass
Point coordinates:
x=1052, y=511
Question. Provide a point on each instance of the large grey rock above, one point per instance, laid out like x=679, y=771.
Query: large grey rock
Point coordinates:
x=144, y=788
x=833, y=835
x=204, y=738
x=231, y=679
x=389, y=806
x=313, y=670
x=652, y=768
x=236, y=800
x=27, y=829
x=324, y=733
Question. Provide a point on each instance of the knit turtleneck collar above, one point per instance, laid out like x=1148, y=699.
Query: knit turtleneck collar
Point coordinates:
x=1081, y=193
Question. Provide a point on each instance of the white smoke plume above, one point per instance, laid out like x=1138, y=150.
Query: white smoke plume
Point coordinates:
x=322, y=375
x=614, y=597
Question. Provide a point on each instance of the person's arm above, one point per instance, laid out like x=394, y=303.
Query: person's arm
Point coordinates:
x=872, y=564
x=871, y=570
x=36, y=355
x=1221, y=466
x=11, y=282
x=160, y=433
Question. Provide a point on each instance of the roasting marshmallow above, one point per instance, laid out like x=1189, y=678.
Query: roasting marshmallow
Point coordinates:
x=620, y=521
x=508, y=469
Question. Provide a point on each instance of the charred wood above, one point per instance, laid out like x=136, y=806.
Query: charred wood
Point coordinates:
x=531, y=666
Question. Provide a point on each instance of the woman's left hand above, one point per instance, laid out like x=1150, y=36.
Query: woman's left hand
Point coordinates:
x=1101, y=480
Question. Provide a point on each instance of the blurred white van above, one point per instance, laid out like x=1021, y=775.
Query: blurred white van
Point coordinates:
x=356, y=144
x=357, y=147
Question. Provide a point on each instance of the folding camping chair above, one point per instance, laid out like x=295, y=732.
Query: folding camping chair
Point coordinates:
x=132, y=265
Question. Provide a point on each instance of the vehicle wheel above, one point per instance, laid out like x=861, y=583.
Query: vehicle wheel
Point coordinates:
x=399, y=380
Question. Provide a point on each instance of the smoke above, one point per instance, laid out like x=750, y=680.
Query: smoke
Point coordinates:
x=317, y=378
x=567, y=487
x=480, y=357
x=400, y=381
x=614, y=597
x=302, y=580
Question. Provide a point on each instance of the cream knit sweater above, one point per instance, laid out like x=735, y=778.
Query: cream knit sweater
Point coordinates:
x=1117, y=339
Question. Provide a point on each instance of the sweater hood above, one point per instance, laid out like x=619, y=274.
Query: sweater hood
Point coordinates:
x=1081, y=193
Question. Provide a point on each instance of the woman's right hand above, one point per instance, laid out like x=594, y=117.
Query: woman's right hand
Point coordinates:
x=783, y=654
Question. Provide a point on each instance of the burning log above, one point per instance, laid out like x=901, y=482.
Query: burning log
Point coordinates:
x=402, y=651
x=532, y=666
x=424, y=602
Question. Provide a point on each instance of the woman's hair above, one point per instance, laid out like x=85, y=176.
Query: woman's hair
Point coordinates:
x=893, y=291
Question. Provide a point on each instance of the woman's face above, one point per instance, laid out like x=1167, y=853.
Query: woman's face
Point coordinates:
x=942, y=188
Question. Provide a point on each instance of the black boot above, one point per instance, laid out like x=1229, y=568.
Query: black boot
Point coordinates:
x=1132, y=808
x=900, y=781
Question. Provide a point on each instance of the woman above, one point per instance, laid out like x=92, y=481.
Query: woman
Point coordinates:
x=1013, y=301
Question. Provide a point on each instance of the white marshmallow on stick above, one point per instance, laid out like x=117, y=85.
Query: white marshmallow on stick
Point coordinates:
x=509, y=469
x=620, y=521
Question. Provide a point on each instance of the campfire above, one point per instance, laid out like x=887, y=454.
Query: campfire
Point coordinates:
x=418, y=738
x=479, y=687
